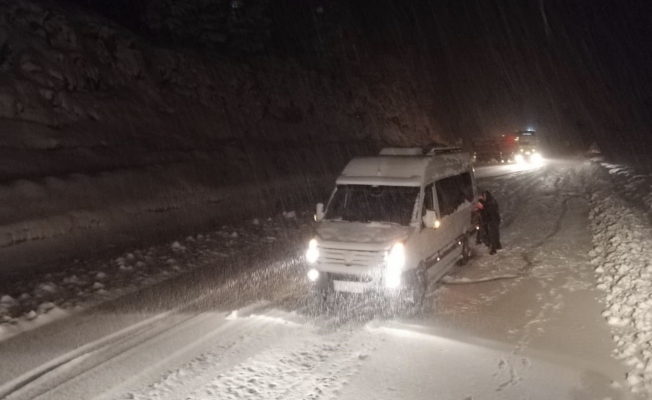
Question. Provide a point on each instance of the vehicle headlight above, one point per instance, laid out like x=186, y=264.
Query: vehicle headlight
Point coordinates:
x=519, y=159
x=313, y=252
x=395, y=263
x=313, y=275
x=536, y=158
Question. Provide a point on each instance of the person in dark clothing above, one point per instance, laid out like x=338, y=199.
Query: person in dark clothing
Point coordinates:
x=491, y=218
x=481, y=236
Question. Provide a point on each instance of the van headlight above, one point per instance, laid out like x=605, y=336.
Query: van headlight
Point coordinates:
x=519, y=159
x=313, y=275
x=313, y=252
x=395, y=263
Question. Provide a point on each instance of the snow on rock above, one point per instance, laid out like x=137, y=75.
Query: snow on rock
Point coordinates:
x=31, y=315
x=72, y=280
x=6, y=299
x=622, y=248
x=100, y=275
x=97, y=286
x=234, y=235
x=45, y=307
x=48, y=287
x=176, y=246
x=290, y=215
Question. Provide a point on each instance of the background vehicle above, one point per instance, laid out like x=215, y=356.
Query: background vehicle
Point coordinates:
x=494, y=149
x=527, y=148
x=392, y=220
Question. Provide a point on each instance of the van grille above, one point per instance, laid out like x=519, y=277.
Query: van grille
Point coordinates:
x=351, y=278
x=351, y=257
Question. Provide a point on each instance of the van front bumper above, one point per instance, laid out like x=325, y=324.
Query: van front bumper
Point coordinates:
x=352, y=279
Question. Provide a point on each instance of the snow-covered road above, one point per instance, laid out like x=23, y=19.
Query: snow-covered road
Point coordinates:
x=228, y=316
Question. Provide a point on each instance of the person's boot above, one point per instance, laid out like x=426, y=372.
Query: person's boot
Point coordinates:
x=492, y=252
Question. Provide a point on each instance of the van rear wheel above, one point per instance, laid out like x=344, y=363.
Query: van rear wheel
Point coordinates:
x=418, y=284
x=466, y=250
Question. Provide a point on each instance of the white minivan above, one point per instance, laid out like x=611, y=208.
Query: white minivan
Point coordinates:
x=394, y=222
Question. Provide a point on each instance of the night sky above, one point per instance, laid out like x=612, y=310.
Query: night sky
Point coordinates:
x=573, y=70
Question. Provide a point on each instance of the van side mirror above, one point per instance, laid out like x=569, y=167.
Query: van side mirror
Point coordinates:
x=430, y=219
x=319, y=215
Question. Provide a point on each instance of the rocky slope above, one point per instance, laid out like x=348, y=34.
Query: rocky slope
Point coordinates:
x=97, y=122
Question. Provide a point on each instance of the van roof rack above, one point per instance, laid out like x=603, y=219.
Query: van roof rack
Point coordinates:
x=428, y=150
x=435, y=148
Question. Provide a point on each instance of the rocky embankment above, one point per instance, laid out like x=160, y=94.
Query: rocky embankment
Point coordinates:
x=103, y=132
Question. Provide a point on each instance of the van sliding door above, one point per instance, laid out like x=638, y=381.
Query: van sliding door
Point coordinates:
x=454, y=197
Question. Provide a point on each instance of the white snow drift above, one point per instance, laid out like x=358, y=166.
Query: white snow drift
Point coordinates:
x=622, y=253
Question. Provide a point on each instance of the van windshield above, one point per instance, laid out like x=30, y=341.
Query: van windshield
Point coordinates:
x=363, y=203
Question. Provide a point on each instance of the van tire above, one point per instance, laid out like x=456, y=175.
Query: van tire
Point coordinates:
x=323, y=287
x=466, y=250
x=418, y=284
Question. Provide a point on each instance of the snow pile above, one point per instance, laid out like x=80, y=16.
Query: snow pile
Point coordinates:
x=622, y=254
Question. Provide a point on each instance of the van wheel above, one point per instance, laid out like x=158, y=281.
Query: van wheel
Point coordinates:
x=466, y=250
x=323, y=287
x=418, y=284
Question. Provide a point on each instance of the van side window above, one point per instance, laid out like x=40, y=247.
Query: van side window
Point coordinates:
x=453, y=192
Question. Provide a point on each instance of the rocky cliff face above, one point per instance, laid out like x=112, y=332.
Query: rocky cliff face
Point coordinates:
x=81, y=97
x=72, y=79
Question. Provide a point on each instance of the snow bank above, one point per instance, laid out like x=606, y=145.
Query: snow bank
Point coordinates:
x=46, y=296
x=622, y=255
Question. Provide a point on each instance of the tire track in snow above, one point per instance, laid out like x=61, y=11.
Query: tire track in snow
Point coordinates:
x=451, y=281
x=245, y=338
x=297, y=364
x=515, y=201
x=558, y=221
x=146, y=361
x=64, y=375
x=26, y=379
x=83, y=362
x=561, y=182
x=315, y=368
